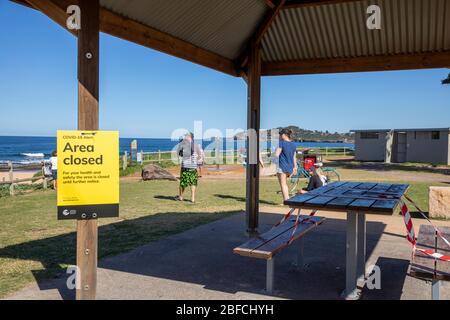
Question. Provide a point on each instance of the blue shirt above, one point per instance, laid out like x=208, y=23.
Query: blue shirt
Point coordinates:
x=286, y=160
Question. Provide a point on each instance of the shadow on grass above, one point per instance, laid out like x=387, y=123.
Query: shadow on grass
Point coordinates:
x=243, y=199
x=56, y=253
x=381, y=166
x=171, y=198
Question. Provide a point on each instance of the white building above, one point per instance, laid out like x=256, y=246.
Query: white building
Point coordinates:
x=403, y=145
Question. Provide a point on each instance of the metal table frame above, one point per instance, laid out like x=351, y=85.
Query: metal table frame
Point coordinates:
x=356, y=232
x=355, y=254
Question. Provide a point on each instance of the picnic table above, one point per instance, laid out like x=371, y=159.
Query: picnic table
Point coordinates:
x=356, y=199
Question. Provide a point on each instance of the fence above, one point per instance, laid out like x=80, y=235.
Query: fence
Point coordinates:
x=225, y=156
x=13, y=183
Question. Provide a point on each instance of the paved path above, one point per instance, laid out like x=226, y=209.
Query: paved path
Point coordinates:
x=199, y=264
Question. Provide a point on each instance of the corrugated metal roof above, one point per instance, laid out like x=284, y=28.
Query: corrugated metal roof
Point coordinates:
x=339, y=30
x=222, y=27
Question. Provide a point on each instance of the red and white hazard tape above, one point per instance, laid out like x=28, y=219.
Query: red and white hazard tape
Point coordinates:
x=411, y=234
x=297, y=222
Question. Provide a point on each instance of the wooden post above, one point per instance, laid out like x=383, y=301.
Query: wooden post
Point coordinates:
x=125, y=161
x=11, y=190
x=253, y=123
x=159, y=156
x=44, y=183
x=88, y=84
x=217, y=153
x=11, y=171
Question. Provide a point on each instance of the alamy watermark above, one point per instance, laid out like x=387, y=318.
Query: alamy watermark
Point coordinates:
x=373, y=22
x=229, y=147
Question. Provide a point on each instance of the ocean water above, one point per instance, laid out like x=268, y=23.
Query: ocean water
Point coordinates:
x=26, y=150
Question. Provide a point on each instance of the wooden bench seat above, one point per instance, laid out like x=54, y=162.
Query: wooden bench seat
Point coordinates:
x=267, y=245
x=426, y=267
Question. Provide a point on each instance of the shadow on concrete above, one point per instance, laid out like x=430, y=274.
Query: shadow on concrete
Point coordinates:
x=203, y=256
x=56, y=253
x=393, y=273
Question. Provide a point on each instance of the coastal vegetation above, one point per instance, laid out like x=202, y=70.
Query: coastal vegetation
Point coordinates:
x=305, y=135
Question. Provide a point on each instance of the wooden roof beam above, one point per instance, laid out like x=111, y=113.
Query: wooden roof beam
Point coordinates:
x=358, y=64
x=51, y=10
x=127, y=29
x=270, y=4
x=292, y=4
x=265, y=24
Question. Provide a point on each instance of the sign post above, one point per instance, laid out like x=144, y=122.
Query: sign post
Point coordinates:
x=133, y=149
x=88, y=93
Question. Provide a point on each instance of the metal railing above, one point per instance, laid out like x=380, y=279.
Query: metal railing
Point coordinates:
x=226, y=156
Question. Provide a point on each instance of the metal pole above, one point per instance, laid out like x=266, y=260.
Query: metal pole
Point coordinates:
x=435, y=290
x=351, y=292
x=270, y=270
x=361, y=241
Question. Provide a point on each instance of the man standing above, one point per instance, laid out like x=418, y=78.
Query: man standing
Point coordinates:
x=190, y=153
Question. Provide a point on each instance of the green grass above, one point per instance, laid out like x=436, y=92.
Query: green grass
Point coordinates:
x=34, y=245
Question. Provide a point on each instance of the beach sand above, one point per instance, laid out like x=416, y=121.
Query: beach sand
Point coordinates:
x=4, y=176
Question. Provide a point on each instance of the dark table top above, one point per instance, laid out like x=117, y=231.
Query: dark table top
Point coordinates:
x=376, y=198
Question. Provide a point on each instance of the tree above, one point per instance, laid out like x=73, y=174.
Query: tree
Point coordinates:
x=446, y=81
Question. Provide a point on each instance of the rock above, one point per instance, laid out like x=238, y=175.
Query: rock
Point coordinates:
x=439, y=202
x=154, y=172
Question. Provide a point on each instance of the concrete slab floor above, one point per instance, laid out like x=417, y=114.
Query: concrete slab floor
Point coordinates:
x=200, y=264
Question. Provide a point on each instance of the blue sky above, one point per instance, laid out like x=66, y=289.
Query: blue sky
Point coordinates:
x=144, y=93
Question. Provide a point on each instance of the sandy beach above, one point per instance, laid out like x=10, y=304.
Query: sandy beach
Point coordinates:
x=4, y=176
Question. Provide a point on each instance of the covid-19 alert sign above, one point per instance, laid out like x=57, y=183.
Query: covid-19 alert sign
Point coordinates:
x=88, y=174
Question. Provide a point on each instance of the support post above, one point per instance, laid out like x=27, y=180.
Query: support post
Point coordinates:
x=270, y=271
x=351, y=292
x=361, y=241
x=11, y=171
x=435, y=289
x=125, y=161
x=253, y=126
x=88, y=88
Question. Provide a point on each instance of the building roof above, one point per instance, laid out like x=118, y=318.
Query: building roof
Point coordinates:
x=296, y=36
x=402, y=130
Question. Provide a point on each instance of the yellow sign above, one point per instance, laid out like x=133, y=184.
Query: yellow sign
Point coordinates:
x=88, y=174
